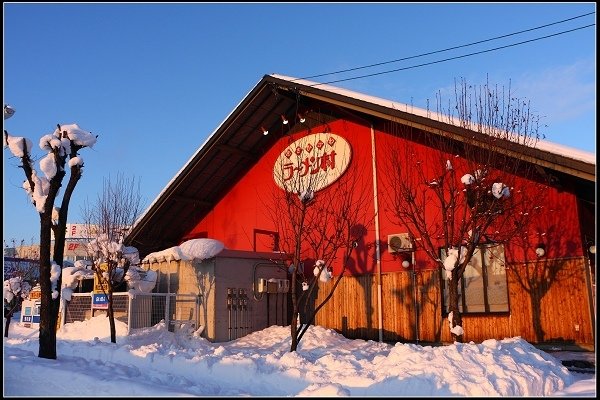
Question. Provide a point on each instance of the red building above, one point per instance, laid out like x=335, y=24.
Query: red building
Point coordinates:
x=541, y=285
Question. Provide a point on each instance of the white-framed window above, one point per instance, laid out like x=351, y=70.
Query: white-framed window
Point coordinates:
x=484, y=286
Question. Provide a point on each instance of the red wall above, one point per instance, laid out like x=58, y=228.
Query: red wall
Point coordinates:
x=244, y=208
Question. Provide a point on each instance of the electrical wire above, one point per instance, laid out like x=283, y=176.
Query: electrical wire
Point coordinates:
x=452, y=58
x=449, y=48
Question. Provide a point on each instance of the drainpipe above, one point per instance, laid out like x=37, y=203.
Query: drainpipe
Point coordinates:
x=416, y=290
x=377, y=245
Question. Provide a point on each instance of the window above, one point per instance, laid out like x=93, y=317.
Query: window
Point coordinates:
x=483, y=287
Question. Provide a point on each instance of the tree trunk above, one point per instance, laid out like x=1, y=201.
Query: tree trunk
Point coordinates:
x=453, y=306
x=111, y=317
x=295, y=310
x=8, y=314
x=7, y=324
x=47, y=336
x=294, y=331
x=535, y=302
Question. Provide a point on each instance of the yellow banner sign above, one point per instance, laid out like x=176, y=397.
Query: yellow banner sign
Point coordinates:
x=100, y=285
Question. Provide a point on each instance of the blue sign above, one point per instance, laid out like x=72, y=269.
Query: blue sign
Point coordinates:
x=26, y=318
x=100, y=300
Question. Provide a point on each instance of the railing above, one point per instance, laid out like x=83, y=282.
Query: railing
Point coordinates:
x=140, y=310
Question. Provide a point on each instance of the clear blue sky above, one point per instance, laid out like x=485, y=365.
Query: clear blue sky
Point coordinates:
x=154, y=80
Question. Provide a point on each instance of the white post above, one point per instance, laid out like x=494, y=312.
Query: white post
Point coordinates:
x=377, y=247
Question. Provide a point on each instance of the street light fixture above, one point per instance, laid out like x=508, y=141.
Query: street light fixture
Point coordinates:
x=8, y=111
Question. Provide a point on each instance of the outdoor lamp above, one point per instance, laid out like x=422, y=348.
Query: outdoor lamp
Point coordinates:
x=264, y=130
x=8, y=111
x=406, y=263
x=284, y=119
x=540, y=250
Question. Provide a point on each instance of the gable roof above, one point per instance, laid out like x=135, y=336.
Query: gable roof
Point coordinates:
x=238, y=143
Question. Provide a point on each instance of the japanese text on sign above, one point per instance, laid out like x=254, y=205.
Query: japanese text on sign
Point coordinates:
x=314, y=161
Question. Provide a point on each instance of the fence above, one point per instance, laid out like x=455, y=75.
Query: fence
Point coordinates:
x=141, y=310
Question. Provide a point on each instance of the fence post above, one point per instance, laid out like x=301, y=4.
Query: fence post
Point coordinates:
x=197, y=313
x=91, y=304
x=167, y=306
x=129, y=298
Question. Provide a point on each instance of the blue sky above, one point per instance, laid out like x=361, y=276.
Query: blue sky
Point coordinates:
x=154, y=80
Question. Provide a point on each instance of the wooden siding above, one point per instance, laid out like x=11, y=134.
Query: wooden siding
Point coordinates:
x=353, y=308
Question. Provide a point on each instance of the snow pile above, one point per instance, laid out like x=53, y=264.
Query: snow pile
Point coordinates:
x=155, y=362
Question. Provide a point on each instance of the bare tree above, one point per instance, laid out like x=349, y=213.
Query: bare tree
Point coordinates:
x=453, y=193
x=108, y=221
x=318, y=223
x=62, y=147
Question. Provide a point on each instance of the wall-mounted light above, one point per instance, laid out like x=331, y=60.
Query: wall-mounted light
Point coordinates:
x=540, y=250
x=592, y=249
x=264, y=130
x=284, y=119
x=406, y=263
x=301, y=118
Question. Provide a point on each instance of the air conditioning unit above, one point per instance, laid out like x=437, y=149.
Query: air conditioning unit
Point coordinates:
x=399, y=242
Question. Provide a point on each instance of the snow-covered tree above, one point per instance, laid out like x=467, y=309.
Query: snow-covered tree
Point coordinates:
x=62, y=154
x=319, y=223
x=453, y=193
x=16, y=289
x=109, y=218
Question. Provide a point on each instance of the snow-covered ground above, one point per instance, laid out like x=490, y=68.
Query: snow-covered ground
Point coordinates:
x=156, y=362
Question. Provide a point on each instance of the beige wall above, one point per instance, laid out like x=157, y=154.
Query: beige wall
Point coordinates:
x=216, y=279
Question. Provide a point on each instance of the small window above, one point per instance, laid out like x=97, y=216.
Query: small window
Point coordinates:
x=483, y=287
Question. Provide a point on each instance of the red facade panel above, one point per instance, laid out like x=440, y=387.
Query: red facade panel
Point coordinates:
x=245, y=209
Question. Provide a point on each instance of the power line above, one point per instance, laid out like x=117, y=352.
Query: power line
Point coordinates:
x=444, y=50
x=451, y=58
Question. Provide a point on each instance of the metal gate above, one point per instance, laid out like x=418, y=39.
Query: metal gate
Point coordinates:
x=141, y=310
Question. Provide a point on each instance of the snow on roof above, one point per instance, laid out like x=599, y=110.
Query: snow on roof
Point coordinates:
x=200, y=249
x=544, y=145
